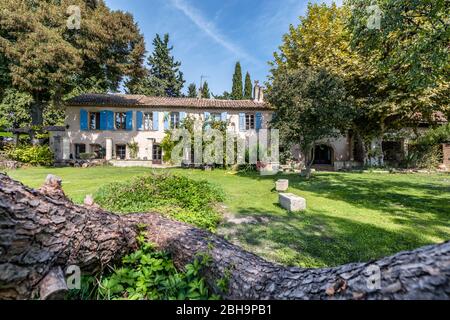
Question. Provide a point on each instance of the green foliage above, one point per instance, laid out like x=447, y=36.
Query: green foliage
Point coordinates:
x=205, y=91
x=148, y=274
x=134, y=149
x=87, y=156
x=164, y=78
x=411, y=45
x=426, y=151
x=34, y=155
x=237, y=90
x=310, y=105
x=248, y=88
x=192, y=91
x=46, y=60
x=14, y=109
x=224, y=96
x=178, y=197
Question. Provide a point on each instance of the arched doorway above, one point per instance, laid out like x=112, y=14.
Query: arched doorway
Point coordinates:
x=323, y=154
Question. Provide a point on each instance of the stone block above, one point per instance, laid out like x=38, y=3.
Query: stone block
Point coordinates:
x=292, y=202
x=282, y=185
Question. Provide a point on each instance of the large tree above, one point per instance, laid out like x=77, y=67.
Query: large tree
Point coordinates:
x=408, y=43
x=47, y=55
x=43, y=233
x=192, y=91
x=248, y=88
x=237, y=90
x=310, y=105
x=164, y=78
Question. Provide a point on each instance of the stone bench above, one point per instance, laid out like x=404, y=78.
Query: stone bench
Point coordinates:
x=291, y=202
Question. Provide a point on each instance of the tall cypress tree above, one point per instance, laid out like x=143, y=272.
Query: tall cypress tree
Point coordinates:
x=164, y=78
x=192, y=91
x=248, y=88
x=237, y=92
x=205, y=91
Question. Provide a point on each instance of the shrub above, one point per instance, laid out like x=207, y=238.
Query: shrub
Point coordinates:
x=88, y=156
x=148, y=274
x=178, y=197
x=426, y=151
x=34, y=155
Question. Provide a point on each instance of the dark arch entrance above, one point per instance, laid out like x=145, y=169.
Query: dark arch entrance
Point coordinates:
x=323, y=154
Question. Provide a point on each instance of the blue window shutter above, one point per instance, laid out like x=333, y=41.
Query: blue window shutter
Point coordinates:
x=129, y=121
x=103, y=120
x=241, y=121
x=156, y=121
x=83, y=120
x=166, y=121
x=139, y=124
x=258, y=120
x=109, y=120
x=182, y=116
x=223, y=116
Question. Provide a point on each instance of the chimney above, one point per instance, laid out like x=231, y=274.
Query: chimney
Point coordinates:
x=258, y=92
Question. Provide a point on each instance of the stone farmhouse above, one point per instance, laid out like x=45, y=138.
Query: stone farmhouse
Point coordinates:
x=103, y=125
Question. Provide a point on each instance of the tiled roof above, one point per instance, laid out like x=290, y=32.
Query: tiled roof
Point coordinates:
x=124, y=100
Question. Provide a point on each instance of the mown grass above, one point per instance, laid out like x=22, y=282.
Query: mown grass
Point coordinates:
x=350, y=217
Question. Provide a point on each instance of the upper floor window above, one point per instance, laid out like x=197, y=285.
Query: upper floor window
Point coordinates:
x=94, y=120
x=249, y=121
x=174, y=120
x=148, y=121
x=120, y=120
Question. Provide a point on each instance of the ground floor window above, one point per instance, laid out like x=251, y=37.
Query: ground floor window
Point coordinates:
x=121, y=151
x=79, y=149
x=98, y=151
x=157, y=154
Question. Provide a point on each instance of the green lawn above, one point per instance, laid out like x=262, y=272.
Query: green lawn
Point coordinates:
x=351, y=216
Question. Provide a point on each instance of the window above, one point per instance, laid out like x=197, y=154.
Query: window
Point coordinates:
x=79, y=149
x=148, y=121
x=94, y=120
x=121, y=151
x=174, y=120
x=157, y=153
x=98, y=151
x=249, y=121
x=215, y=117
x=121, y=120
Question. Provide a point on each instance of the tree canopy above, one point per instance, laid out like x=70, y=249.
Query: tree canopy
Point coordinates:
x=46, y=59
x=248, y=87
x=163, y=78
x=310, y=105
x=192, y=91
x=237, y=89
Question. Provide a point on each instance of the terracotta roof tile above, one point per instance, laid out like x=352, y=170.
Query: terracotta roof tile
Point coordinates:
x=120, y=100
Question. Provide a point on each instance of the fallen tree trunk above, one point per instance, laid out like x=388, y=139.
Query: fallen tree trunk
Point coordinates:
x=42, y=232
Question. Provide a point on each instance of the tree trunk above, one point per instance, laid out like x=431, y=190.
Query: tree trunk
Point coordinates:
x=37, y=117
x=42, y=233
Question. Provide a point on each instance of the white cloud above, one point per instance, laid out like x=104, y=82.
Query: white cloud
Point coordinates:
x=210, y=29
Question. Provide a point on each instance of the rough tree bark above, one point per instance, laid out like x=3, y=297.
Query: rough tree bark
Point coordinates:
x=41, y=233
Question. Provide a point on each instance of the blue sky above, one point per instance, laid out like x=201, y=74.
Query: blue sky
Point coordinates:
x=209, y=36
